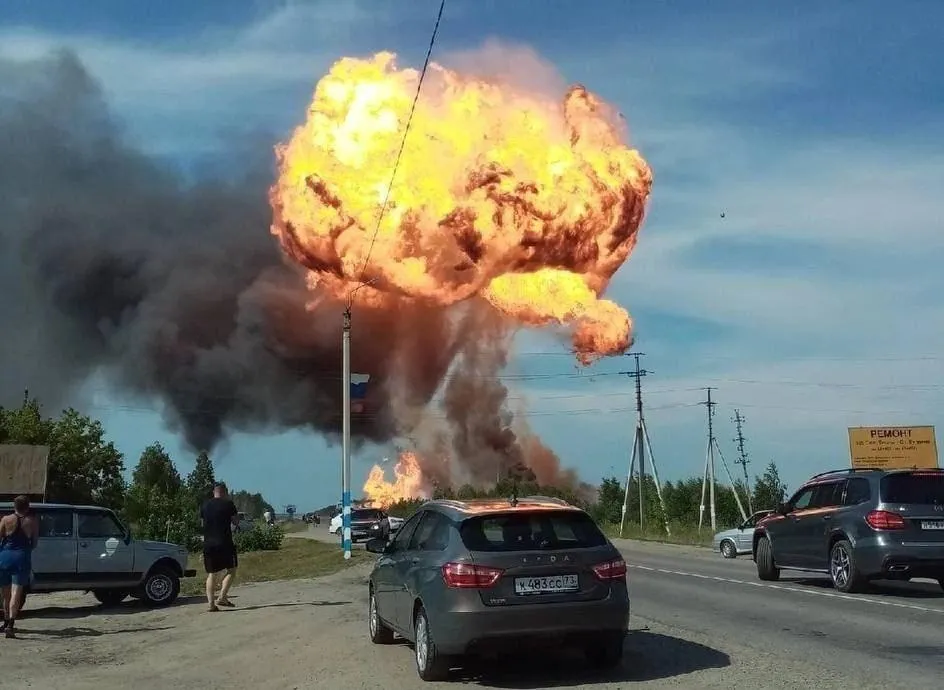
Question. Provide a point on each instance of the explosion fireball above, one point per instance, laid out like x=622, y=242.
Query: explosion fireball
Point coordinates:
x=503, y=196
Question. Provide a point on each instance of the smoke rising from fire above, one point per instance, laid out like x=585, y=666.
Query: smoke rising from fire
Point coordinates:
x=111, y=262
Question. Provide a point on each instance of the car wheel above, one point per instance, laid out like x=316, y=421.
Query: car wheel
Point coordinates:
x=430, y=665
x=161, y=587
x=766, y=568
x=728, y=550
x=110, y=597
x=606, y=651
x=379, y=633
x=843, y=570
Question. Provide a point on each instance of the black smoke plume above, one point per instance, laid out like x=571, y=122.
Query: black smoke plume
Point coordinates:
x=112, y=263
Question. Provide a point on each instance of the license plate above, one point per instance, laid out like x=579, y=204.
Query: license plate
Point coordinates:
x=932, y=524
x=546, y=585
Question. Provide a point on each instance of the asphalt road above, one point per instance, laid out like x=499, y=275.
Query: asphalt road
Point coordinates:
x=701, y=621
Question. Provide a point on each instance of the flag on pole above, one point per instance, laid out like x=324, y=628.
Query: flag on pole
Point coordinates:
x=358, y=391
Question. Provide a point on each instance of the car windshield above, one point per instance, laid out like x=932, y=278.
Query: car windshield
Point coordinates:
x=523, y=531
x=914, y=487
x=365, y=514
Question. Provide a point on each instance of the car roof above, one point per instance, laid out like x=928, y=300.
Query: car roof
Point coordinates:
x=61, y=506
x=465, y=508
x=831, y=475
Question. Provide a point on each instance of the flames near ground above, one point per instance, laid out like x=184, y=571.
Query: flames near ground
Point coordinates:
x=510, y=208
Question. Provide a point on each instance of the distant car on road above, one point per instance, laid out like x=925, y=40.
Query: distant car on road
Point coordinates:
x=738, y=540
x=857, y=526
x=86, y=548
x=462, y=577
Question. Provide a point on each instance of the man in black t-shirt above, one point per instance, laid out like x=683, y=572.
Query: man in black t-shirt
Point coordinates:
x=219, y=516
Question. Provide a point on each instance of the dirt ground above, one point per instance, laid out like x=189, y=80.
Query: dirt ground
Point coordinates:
x=296, y=635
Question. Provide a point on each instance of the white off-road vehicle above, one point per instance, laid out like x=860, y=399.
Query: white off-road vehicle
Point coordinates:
x=86, y=548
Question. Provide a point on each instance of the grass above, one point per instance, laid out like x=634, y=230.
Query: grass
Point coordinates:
x=298, y=558
x=294, y=526
x=681, y=533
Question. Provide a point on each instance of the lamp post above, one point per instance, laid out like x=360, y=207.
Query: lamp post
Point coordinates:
x=346, y=434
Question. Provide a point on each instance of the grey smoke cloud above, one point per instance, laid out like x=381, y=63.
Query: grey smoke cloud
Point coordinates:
x=114, y=263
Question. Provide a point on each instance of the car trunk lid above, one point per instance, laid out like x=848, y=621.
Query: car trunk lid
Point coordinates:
x=545, y=557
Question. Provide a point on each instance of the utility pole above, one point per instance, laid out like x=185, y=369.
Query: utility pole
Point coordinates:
x=641, y=445
x=346, y=434
x=708, y=483
x=708, y=476
x=742, y=458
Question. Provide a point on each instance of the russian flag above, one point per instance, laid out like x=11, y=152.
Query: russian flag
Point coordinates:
x=358, y=391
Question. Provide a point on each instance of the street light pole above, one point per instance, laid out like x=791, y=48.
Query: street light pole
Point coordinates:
x=346, y=434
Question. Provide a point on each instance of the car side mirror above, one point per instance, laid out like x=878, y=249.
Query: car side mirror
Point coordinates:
x=782, y=509
x=377, y=545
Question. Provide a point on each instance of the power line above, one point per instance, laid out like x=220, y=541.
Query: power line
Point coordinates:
x=406, y=131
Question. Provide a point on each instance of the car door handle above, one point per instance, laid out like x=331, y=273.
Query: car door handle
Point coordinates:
x=414, y=560
x=827, y=517
x=83, y=544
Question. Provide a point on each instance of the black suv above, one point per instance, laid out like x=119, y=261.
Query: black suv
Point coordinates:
x=858, y=525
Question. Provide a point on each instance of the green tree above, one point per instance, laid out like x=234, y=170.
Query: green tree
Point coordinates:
x=156, y=503
x=254, y=505
x=83, y=467
x=609, y=505
x=201, y=480
x=769, y=490
x=25, y=424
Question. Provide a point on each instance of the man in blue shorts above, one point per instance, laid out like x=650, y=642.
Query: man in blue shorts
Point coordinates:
x=18, y=535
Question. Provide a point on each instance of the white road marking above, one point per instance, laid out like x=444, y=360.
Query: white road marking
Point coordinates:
x=767, y=585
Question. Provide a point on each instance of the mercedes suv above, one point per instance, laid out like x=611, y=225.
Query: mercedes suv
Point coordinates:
x=467, y=577
x=856, y=526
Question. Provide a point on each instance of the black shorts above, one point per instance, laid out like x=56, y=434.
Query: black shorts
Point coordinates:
x=217, y=558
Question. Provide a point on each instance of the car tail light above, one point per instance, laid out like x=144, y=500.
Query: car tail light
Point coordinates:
x=883, y=519
x=610, y=570
x=469, y=576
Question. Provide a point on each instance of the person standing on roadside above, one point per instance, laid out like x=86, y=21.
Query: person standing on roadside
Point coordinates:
x=220, y=517
x=18, y=535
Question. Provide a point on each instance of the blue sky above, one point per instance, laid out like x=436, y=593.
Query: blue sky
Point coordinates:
x=814, y=304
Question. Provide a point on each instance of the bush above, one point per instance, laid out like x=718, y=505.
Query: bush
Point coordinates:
x=261, y=537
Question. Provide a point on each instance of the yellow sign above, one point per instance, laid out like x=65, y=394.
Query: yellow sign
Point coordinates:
x=893, y=447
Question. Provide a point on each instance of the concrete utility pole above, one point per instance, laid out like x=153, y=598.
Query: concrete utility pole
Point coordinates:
x=742, y=458
x=641, y=444
x=708, y=483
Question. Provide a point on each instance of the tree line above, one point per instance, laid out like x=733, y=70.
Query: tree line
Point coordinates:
x=86, y=469
x=682, y=498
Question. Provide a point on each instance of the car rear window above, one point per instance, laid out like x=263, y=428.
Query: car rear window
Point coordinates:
x=918, y=487
x=523, y=531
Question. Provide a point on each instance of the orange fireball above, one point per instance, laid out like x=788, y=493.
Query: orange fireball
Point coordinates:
x=408, y=483
x=527, y=201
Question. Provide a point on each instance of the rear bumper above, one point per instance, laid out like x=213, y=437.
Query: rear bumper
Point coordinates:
x=897, y=561
x=190, y=572
x=471, y=631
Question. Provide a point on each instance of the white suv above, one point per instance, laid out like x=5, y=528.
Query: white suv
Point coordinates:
x=86, y=548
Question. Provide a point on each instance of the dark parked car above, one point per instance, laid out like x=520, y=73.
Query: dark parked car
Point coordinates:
x=857, y=526
x=464, y=577
x=368, y=523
